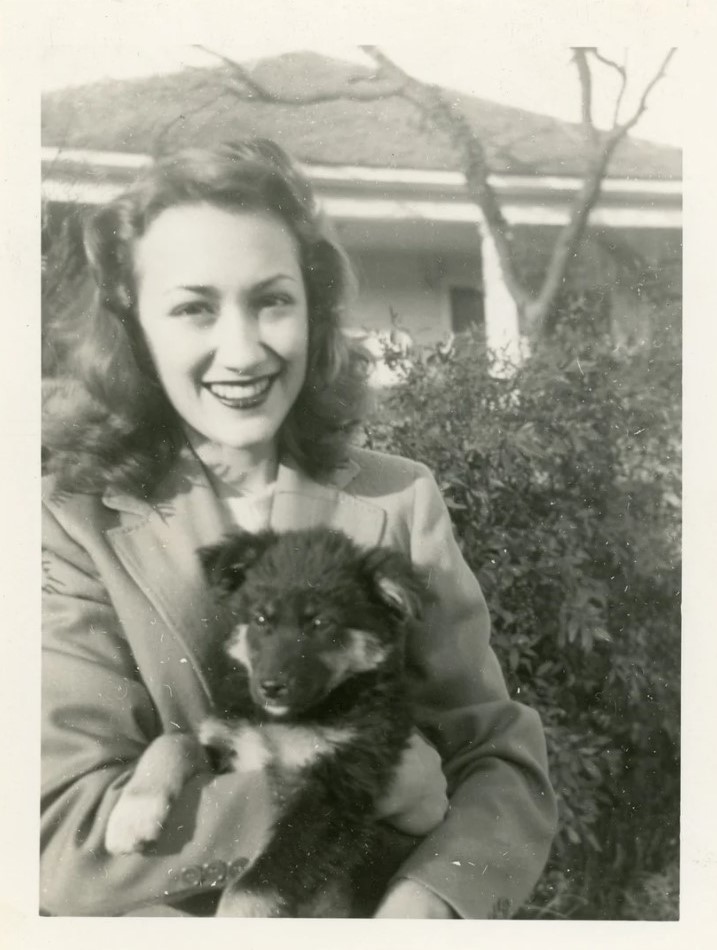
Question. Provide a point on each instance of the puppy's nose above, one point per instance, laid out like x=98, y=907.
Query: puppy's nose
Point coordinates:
x=273, y=689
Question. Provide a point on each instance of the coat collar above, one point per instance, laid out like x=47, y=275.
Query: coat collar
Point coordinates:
x=157, y=541
x=189, y=476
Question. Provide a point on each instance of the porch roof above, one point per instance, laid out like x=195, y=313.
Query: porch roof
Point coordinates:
x=142, y=116
x=413, y=196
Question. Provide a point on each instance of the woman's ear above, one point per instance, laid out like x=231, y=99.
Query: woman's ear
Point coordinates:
x=225, y=564
x=396, y=582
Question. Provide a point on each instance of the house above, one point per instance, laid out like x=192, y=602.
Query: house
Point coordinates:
x=425, y=263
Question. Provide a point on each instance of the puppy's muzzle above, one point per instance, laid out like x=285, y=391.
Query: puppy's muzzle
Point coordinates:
x=274, y=690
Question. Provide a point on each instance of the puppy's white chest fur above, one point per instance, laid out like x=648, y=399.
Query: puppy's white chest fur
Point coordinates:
x=289, y=747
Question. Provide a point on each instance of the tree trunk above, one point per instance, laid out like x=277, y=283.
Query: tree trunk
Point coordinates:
x=536, y=311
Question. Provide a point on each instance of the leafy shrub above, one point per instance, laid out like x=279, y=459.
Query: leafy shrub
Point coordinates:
x=563, y=485
x=655, y=896
x=65, y=286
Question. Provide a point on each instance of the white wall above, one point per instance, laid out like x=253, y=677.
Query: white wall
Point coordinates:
x=415, y=284
x=396, y=279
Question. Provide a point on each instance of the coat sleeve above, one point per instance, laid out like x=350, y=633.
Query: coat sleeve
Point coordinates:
x=488, y=854
x=97, y=718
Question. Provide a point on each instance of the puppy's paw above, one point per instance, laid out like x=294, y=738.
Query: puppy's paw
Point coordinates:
x=136, y=820
x=217, y=734
x=239, y=903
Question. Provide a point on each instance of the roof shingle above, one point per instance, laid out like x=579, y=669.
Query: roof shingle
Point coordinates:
x=196, y=107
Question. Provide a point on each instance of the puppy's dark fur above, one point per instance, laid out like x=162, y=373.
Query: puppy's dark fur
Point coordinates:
x=312, y=689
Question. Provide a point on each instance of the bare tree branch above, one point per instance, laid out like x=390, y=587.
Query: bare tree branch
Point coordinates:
x=621, y=93
x=358, y=88
x=607, y=61
x=232, y=63
x=642, y=105
x=161, y=138
x=431, y=101
x=622, y=73
x=386, y=66
x=536, y=312
x=580, y=58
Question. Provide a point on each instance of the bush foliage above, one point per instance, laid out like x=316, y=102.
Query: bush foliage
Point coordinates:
x=563, y=483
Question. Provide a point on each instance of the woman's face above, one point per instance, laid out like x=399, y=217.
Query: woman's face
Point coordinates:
x=222, y=303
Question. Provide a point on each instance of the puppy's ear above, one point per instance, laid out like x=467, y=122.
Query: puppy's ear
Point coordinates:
x=396, y=582
x=225, y=564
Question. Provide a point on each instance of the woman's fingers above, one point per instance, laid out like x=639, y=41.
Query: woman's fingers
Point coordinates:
x=416, y=802
x=409, y=899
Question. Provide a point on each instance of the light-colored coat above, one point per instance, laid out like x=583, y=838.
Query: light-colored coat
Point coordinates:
x=127, y=624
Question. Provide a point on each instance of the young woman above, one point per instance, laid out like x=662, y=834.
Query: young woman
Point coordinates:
x=212, y=387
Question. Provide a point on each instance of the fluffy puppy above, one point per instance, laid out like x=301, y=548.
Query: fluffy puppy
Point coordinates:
x=312, y=690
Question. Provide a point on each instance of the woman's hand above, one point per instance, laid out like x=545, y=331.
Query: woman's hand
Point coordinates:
x=416, y=801
x=411, y=899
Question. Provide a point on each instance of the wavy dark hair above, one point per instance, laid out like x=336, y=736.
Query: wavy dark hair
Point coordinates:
x=107, y=421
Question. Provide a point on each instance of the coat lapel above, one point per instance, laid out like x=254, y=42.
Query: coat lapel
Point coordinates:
x=300, y=502
x=157, y=543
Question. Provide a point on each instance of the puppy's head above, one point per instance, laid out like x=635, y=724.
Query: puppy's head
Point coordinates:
x=312, y=610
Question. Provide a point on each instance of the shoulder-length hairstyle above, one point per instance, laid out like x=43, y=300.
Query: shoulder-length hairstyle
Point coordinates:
x=108, y=422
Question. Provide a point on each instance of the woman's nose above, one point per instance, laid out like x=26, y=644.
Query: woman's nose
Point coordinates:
x=238, y=337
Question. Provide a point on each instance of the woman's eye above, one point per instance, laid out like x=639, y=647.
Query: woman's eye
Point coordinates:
x=193, y=308
x=269, y=301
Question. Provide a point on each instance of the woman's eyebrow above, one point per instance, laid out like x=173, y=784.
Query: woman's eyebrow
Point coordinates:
x=208, y=291
x=260, y=285
x=203, y=289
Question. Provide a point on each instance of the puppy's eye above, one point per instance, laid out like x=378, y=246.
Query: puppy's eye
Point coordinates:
x=260, y=620
x=317, y=623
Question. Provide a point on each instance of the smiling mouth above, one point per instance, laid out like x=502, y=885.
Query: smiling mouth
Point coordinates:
x=241, y=395
x=276, y=709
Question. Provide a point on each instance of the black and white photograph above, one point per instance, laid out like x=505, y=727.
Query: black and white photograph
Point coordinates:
x=361, y=414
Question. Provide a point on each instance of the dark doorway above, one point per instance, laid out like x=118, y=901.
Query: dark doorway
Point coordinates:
x=467, y=311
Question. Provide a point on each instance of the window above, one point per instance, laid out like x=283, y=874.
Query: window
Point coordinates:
x=466, y=309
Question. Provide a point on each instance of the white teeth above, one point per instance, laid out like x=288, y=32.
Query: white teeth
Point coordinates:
x=248, y=390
